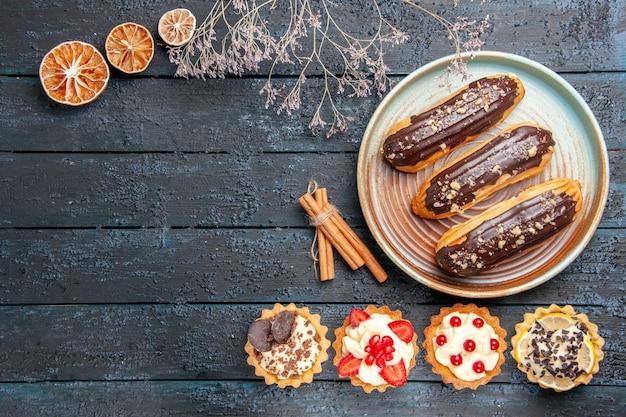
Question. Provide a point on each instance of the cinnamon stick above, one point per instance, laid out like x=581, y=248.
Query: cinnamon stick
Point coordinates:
x=332, y=232
x=370, y=261
x=325, y=248
x=342, y=236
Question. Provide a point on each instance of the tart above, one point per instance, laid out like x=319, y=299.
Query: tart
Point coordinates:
x=557, y=348
x=465, y=345
x=287, y=345
x=375, y=348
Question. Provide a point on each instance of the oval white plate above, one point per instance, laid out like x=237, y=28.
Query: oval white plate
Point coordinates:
x=385, y=194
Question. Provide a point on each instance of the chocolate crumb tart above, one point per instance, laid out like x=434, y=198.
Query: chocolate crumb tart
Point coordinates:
x=287, y=345
x=557, y=348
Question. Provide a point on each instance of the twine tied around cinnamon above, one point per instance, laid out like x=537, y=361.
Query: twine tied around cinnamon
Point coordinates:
x=332, y=228
x=329, y=209
x=324, y=254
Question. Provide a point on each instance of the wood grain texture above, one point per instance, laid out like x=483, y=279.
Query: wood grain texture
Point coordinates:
x=190, y=190
x=553, y=33
x=176, y=115
x=251, y=398
x=141, y=234
x=205, y=341
x=102, y=266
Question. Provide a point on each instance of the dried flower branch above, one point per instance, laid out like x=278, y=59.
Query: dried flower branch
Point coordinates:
x=235, y=37
x=464, y=34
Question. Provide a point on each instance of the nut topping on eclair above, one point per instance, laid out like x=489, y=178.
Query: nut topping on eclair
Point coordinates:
x=419, y=140
x=509, y=227
x=516, y=154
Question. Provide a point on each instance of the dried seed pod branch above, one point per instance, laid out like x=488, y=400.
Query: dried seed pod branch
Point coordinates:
x=236, y=36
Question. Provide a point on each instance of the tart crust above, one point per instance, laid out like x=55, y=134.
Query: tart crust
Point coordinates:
x=307, y=376
x=592, y=330
x=447, y=375
x=338, y=344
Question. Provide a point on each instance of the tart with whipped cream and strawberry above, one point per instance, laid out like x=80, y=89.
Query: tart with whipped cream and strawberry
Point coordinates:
x=287, y=345
x=375, y=348
x=465, y=345
x=557, y=348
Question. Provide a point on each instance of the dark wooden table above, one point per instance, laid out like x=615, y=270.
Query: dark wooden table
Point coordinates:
x=141, y=234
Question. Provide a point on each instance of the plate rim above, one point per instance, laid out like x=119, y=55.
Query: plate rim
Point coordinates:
x=460, y=289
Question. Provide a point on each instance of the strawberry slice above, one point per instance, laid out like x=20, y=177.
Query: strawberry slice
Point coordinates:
x=403, y=329
x=357, y=316
x=349, y=365
x=394, y=374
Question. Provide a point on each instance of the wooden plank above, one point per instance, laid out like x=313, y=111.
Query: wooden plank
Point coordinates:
x=140, y=235
x=42, y=190
x=168, y=190
x=546, y=31
x=205, y=341
x=248, y=265
x=239, y=398
x=137, y=115
x=553, y=33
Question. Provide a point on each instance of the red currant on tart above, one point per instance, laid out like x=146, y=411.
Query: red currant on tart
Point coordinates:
x=478, y=367
x=469, y=345
x=456, y=360
x=455, y=321
x=464, y=344
x=494, y=344
x=379, y=350
x=478, y=322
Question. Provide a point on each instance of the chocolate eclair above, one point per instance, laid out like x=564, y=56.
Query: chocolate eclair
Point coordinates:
x=418, y=141
x=509, y=227
x=518, y=153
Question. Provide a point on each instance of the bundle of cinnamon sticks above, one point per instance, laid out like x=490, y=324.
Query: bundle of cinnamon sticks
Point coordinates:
x=334, y=232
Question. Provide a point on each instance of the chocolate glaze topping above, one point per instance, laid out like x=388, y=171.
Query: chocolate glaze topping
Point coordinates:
x=474, y=109
x=511, y=153
x=260, y=335
x=519, y=228
x=283, y=325
x=263, y=333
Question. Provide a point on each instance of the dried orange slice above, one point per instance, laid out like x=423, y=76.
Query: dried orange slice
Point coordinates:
x=177, y=26
x=129, y=47
x=74, y=73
